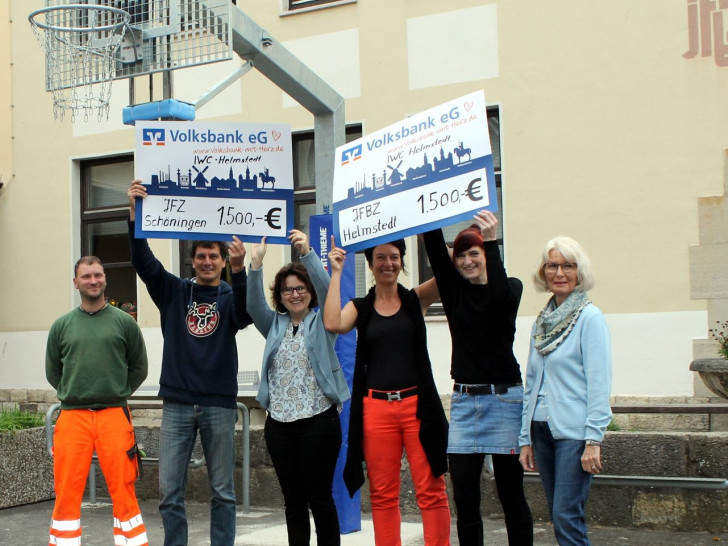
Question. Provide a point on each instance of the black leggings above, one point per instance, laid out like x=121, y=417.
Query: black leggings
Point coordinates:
x=465, y=470
x=304, y=454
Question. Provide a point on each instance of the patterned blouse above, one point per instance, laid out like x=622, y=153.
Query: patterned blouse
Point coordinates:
x=294, y=392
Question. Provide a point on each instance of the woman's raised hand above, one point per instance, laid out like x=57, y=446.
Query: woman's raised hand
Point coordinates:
x=488, y=224
x=337, y=256
x=257, y=253
x=300, y=241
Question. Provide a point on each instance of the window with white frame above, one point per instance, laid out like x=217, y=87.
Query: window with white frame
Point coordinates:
x=104, y=212
x=450, y=232
x=296, y=5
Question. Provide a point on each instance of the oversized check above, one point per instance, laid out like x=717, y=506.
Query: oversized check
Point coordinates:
x=429, y=170
x=213, y=180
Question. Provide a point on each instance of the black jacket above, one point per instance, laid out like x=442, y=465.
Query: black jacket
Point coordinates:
x=434, y=426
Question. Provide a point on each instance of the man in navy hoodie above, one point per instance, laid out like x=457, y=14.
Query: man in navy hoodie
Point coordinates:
x=198, y=384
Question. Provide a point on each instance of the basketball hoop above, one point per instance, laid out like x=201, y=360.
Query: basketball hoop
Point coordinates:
x=80, y=42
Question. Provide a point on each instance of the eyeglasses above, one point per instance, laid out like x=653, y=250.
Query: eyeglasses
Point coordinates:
x=552, y=268
x=288, y=290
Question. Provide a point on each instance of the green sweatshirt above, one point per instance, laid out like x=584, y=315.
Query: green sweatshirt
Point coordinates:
x=95, y=360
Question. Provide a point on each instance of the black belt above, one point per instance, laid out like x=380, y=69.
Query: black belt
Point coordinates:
x=501, y=388
x=391, y=396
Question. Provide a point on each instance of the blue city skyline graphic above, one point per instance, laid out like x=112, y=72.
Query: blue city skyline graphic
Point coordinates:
x=390, y=179
x=425, y=170
x=258, y=183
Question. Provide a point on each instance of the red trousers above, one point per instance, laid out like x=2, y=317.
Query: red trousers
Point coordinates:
x=77, y=435
x=388, y=428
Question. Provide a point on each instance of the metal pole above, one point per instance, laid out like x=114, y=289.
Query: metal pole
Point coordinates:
x=92, y=483
x=221, y=86
x=49, y=426
x=280, y=66
x=649, y=481
x=242, y=408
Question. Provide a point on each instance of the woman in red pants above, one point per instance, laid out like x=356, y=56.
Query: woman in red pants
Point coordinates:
x=395, y=404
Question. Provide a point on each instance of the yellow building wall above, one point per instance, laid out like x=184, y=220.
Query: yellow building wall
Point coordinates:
x=609, y=134
x=6, y=143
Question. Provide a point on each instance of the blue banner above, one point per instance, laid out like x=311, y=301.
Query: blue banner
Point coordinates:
x=349, y=509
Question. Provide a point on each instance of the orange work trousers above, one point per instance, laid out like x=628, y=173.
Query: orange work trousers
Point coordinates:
x=390, y=427
x=77, y=435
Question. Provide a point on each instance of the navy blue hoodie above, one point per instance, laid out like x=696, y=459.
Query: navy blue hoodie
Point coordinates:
x=199, y=323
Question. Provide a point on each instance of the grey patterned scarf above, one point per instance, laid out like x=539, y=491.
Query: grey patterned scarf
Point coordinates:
x=554, y=323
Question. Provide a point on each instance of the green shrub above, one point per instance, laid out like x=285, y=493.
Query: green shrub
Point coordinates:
x=16, y=419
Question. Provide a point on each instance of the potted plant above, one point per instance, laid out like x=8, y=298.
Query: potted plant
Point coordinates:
x=720, y=334
x=129, y=307
x=714, y=371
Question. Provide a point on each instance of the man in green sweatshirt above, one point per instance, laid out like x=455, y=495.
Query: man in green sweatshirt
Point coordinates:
x=95, y=359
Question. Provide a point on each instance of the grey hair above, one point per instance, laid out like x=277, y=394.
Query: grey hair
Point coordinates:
x=572, y=252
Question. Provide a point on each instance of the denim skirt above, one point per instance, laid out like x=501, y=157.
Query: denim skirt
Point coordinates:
x=485, y=423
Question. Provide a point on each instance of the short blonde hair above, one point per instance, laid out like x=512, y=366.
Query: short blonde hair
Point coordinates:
x=572, y=252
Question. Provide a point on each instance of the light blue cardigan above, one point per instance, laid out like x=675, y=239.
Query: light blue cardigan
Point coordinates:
x=319, y=343
x=576, y=383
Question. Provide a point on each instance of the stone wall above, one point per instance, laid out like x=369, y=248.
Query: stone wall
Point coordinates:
x=32, y=400
x=697, y=455
x=688, y=450
x=26, y=476
x=26, y=469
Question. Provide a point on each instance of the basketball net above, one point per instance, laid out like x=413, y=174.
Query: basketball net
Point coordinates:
x=80, y=42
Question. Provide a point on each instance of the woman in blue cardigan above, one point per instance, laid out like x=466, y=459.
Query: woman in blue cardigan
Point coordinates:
x=566, y=406
x=301, y=385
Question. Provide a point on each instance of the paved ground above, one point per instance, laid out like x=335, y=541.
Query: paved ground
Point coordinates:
x=28, y=525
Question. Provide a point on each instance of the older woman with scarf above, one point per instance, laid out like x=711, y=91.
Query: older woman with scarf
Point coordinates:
x=394, y=403
x=566, y=406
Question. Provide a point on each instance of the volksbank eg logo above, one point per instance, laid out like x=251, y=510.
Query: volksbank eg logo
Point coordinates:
x=352, y=154
x=153, y=137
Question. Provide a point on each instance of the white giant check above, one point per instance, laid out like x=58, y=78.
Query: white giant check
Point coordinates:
x=429, y=170
x=213, y=180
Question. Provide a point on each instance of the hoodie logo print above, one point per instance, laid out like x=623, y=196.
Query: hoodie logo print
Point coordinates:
x=202, y=319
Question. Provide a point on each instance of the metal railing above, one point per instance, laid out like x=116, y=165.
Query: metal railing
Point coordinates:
x=648, y=481
x=194, y=463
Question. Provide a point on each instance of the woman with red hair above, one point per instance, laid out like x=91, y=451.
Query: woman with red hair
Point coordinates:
x=481, y=303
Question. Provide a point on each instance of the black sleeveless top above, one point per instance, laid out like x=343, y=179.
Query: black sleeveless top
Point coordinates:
x=391, y=363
